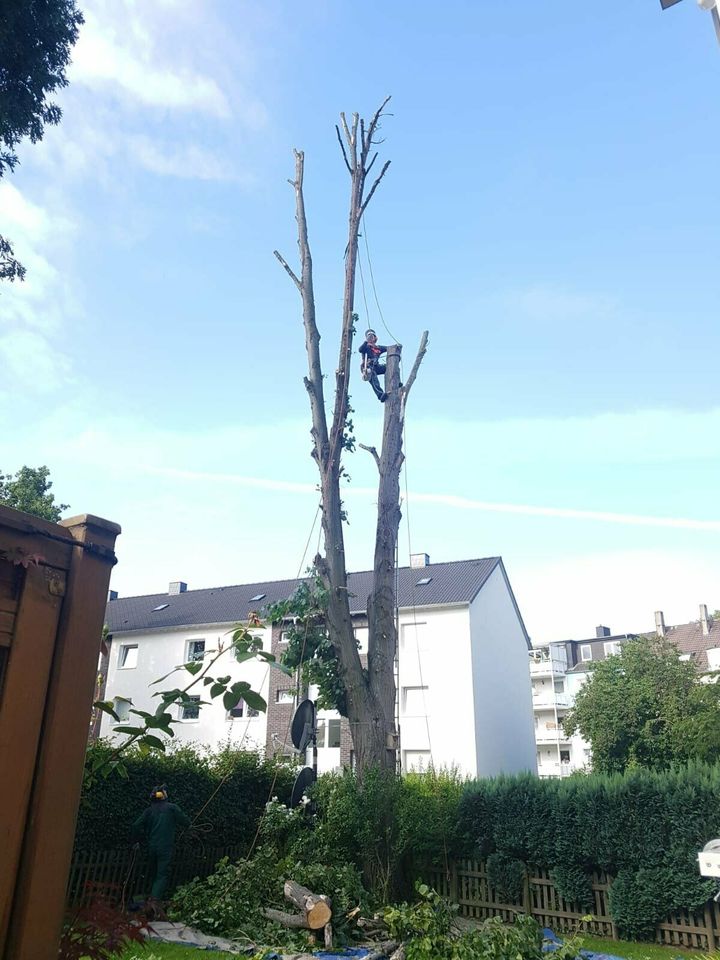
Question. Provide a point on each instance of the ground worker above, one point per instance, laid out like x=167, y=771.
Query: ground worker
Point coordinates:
x=157, y=825
x=370, y=367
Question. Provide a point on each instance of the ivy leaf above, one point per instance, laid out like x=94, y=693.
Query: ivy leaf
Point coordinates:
x=194, y=667
x=254, y=700
x=106, y=706
x=135, y=731
x=231, y=699
x=242, y=655
x=216, y=689
x=154, y=742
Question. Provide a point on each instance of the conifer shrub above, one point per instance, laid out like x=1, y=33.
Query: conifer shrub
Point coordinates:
x=643, y=828
x=231, y=785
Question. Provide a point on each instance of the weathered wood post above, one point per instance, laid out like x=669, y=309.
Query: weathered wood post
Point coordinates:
x=53, y=589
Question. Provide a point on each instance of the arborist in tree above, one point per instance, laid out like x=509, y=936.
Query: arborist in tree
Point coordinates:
x=157, y=825
x=370, y=367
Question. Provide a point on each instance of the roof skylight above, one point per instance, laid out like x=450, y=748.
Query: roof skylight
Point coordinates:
x=258, y=596
x=161, y=607
x=424, y=582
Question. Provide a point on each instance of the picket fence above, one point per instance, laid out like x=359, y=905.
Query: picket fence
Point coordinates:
x=119, y=875
x=465, y=882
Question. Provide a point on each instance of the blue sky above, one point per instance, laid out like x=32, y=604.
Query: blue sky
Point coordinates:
x=550, y=216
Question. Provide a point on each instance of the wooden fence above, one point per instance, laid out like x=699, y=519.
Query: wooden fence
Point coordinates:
x=119, y=875
x=465, y=882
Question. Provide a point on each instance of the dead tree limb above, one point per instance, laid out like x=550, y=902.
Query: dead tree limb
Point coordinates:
x=422, y=350
x=373, y=451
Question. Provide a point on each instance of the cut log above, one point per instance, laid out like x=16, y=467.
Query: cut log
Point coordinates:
x=295, y=920
x=315, y=907
x=382, y=950
x=399, y=953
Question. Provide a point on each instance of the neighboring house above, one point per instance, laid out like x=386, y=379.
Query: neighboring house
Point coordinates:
x=463, y=688
x=558, y=671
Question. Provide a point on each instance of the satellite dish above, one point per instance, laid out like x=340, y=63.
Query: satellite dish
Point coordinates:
x=302, y=729
x=306, y=778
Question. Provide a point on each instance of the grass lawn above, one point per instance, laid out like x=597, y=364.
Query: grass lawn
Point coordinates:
x=171, y=951
x=635, y=951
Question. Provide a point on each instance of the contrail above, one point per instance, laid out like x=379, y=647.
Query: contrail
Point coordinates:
x=450, y=500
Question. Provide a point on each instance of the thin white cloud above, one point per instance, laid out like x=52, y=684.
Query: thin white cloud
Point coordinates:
x=188, y=161
x=119, y=52
x=449, y=500
x=565, y=513
x=33, y=312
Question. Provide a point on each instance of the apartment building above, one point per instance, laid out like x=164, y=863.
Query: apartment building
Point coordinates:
x=464, y=697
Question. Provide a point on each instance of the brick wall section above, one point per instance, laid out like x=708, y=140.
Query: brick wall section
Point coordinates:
x=279, y=715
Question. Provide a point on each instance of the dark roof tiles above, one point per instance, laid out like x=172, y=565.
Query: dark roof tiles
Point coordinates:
x=455, y=582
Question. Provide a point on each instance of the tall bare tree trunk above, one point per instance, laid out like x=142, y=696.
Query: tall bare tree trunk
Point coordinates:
x=370, y=693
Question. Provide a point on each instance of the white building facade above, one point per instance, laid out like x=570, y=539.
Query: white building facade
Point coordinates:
x=464, y=693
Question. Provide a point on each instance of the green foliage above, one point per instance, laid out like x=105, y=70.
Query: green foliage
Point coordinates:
x=620, y=823
x=29, y=489
x=573, y=884
x=231, y=901
x=645, y=707
x=428, y=930
x=36, y=37
x=424, y=927
x=236, y=783
x=309, y=646
x=507, y=876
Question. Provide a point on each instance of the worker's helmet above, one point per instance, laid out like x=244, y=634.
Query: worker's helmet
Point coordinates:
x=159, y=793
x=369, y=332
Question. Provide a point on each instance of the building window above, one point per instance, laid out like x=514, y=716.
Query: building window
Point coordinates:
x=585, y=652
x=564, y=756
x=241, y=709
x=612, y=648
x=121, y=706
x=196, y=650
x=128, y=656
x=559, y=686
x=328, y=733
x=190, y=711
x=285, y=636
x=333, y=734
x=284, y=696
x=414, y=701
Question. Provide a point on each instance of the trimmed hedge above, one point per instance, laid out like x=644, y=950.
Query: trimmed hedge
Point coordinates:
x=236, y=783
x=644, y=828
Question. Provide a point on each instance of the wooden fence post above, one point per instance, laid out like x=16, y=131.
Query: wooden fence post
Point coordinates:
x=527, y=904
x=454, y=881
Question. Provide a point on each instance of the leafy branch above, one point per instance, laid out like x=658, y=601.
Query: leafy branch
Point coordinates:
x=144, y=734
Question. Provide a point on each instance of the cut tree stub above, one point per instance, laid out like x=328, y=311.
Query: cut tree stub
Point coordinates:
x=315, y=907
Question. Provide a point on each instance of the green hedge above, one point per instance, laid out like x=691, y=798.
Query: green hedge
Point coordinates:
x=642, y=827
x=236, y=783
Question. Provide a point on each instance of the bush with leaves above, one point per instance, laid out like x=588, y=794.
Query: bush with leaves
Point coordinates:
x=231, y=785
x=506, y=876
x=617, y=823
x=573, y=884
x=428, y=930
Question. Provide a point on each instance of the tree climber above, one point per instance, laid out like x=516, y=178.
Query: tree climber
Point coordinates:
x=157, y=825
x=370, y=367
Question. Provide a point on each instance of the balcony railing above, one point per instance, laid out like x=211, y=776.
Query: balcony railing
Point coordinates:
x=550, y=733
x=547, y=702
x=544, y=668
x=554, y=769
